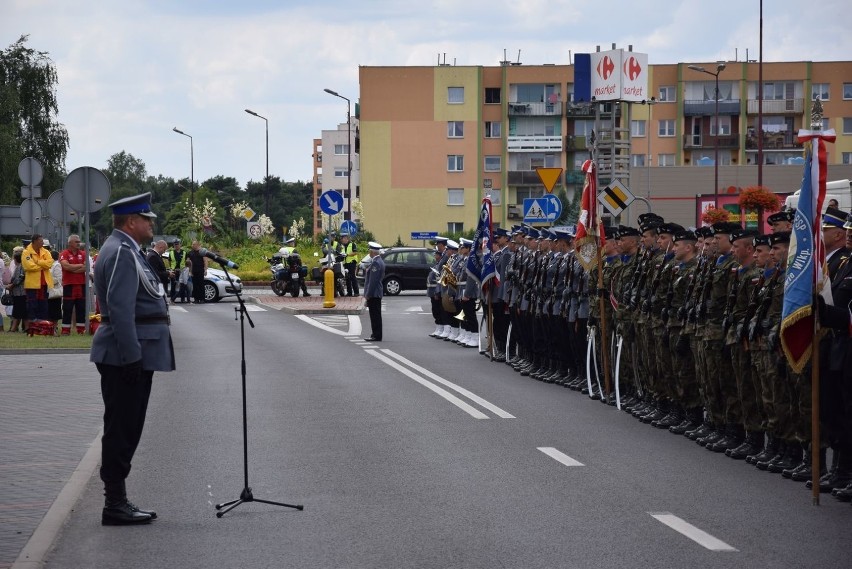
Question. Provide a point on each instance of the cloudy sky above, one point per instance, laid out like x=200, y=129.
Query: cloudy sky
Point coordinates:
x=130, y=70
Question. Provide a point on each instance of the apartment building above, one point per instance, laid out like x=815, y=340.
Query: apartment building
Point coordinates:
x=435, y=140
x=332, y=154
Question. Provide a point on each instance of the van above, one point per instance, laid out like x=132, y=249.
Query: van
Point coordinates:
x=840, y=190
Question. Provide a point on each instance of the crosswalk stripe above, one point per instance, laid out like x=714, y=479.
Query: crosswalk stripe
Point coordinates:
x=560, y=456
x=700, y=537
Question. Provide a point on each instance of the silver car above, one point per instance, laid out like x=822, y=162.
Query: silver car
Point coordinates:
x=216, y=285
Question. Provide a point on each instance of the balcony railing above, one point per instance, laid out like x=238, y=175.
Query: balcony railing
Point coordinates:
x=778, y=107
x=707, y=140
x=773, y=141
x=525, y=109
x=526, y=178
x=587, y=110
x=708, y=108
x=534, y=143
x=575, y=142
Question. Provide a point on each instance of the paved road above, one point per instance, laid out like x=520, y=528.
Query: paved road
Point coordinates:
x=417, y=453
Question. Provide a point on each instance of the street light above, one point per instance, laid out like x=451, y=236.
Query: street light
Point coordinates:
x=191, y=165
x=719, y=68
x=251, y=112
x=348, y=150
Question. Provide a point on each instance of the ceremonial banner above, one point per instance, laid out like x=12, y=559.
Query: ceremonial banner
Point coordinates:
x=480, y=262
x=806, y=254
x=586, y=238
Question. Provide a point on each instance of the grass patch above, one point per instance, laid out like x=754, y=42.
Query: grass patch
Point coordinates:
x=19, y=341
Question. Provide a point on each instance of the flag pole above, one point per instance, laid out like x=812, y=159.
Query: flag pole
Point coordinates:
x=815, y=433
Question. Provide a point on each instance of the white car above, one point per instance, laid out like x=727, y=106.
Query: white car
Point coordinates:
x=216, y=285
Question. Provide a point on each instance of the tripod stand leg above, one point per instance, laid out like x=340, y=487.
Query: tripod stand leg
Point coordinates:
x=227, y=507
x=295, y=507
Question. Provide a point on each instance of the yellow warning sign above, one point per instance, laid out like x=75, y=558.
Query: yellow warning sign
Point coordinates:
x=549, y=177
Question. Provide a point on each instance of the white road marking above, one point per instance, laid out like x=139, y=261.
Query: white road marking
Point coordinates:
x=353, y=329
x=254, y=308
x=414, y=309
x=177, y=309
x=560, y=456
x=470, y=410
x=469, y=394
x=700, y=537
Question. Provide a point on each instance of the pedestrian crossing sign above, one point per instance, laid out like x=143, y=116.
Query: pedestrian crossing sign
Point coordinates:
x=616, y=197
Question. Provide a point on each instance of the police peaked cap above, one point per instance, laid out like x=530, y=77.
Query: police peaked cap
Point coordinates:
x=563, y=234
x=726, y=227
x=532, y=233
x=760, y=240
x=780, y=237
x=500, y=232
x=671, y=228
x=784, y=215
x=685, y=235
x=743, y=234
x=833, y=217
x=140, y=205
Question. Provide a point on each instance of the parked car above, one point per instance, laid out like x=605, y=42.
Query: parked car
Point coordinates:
x=406, y=268
x=216, y=285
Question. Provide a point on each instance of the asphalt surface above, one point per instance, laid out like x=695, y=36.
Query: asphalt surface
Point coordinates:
x=411, y=452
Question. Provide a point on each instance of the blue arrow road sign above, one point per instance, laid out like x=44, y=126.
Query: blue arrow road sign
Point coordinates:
x=554, y=207
x=331, y=202
x=349, y=227
x=542, y=210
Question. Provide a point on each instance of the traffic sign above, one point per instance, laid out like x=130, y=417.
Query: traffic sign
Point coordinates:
x=331, y=202
x=423, y=235
x=349, y=227
x=249, y=213
x=30, y=172
x=616, y=197
x=31, y=212
x=254, y=230
x=549, y=177
x=86, y=183
x=542, y=210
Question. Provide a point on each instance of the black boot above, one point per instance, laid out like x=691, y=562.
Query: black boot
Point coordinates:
x=118, y=511
x=787, y=460
x=841, y=476
x=733, y=438
x=805, y=470
x=691, y=421
x=673, y=417
x=801, y=460
x=704, y=429
x=714, y=436
x=770, y=449
x=843, y=494
x=780, y=451
x=751, y=445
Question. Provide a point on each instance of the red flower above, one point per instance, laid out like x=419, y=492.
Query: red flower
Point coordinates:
x=759, y=197
x=713, y=215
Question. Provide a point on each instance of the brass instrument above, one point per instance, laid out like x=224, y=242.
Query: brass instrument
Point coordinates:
x=448, y=280
x=447, y=277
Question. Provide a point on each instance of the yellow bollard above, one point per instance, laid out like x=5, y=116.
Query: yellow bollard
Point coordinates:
x=328, y=288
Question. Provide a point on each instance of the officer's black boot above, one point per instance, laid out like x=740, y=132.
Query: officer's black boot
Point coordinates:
x=691, y=420
x=842, y=476
x=751, y=445
x=832, y=470
x=787, y=460
x=660, y=411
x=545, y=369
x=733, y=438
x=702, y=430
x=713, y=436
x=805, y=472
x=770, y=449
x=118, y=511
x=531, y=366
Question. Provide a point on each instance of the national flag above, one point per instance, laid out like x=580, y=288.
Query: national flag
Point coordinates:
x=806, y=254
x=586, y=237
x=480, y=263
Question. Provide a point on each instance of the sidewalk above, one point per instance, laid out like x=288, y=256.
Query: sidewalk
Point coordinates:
x=50, y=414
x=309, y=305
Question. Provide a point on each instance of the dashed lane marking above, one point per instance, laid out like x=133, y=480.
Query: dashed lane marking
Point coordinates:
x=699, y=536
x=559, y=456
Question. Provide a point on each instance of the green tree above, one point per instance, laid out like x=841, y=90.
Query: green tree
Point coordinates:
x=28, y=124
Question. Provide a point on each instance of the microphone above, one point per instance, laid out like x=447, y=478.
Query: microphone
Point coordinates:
x=219, y=259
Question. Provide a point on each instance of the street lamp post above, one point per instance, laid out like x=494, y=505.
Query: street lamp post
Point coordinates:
x=191, y=165
x=719, y=68
x=348, y=150
x=249, y=111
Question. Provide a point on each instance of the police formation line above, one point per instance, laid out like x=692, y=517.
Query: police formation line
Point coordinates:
x=692, y=320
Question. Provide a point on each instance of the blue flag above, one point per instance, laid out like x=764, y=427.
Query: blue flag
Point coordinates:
x=480, y=262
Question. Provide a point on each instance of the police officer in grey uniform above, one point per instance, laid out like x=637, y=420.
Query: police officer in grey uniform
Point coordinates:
x=374, y=290
x=132, y=342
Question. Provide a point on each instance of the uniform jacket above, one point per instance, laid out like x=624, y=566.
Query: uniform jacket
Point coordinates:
x=35, y=265
x=156, y=262
x=133, y=308
x=374, y=281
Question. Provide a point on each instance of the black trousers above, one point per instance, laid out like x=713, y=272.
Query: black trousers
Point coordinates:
x=351, y=281
x=469, y=308
x=500, y=324
x=198, y=287
x=436, y=310
x=125, y=405
x=374, y=305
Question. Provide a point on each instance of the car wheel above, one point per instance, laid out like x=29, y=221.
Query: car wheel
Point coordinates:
x=392, y=286
x=211, y=293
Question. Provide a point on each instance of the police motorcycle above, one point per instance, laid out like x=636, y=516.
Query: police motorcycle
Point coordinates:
x=288, y=272
x=339, y=273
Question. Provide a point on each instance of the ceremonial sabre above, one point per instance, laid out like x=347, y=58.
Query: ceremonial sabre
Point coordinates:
x=618, y=372
x=590, y=350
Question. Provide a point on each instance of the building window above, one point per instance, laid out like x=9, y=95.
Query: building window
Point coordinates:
x=724, y=126
x=493, y=163
x=819, y=90
x=667, y=127
x=455, y=163
x=637, y=160
x=455, y=196
x=826, y=123
x=492, y=95
x=637, y=128
x=455, y=129
x=455, y=95
x=455, y=227
x=341, y=149
x=340, y=172
x=847, y=157
x=493, y=129
x=666, y=160
x=319, y=179
x=847, y=125
x=847, y=91
x=667, y=94
x=494, y=194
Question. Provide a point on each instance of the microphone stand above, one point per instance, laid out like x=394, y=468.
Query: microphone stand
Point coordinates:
x=246, y=495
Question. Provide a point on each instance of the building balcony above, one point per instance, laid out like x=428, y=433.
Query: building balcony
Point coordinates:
x=587, y=110
x=524, y=109
x=707, y=140
x=782, y=140
x=708, y=108
x=576, y=142
x=526, y=178
x=534, y=143
x=575, y=177
x=778, y=107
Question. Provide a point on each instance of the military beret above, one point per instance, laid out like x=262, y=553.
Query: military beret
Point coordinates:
x=670, y=228
x=650, y=216
x=784, y=215
x=627, y=231
x=685, y=235
x=742, y=234
x=780, y=237
x=833, y=217
x=760, y=240
x=609, y=230
x=726, y=227
x=704, y=231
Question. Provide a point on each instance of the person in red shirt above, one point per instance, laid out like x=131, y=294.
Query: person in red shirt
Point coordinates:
x=73, y=261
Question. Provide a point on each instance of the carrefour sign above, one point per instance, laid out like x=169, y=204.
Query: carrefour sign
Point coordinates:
x=619, y=75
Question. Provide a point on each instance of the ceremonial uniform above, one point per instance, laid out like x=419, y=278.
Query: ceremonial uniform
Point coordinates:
x=374, y=291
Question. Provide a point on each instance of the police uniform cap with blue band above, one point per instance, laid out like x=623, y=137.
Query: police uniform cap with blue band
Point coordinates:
x=500, y=232
x=452, y=245
x=833, y=217
x=140, y=205
x=465, y=242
